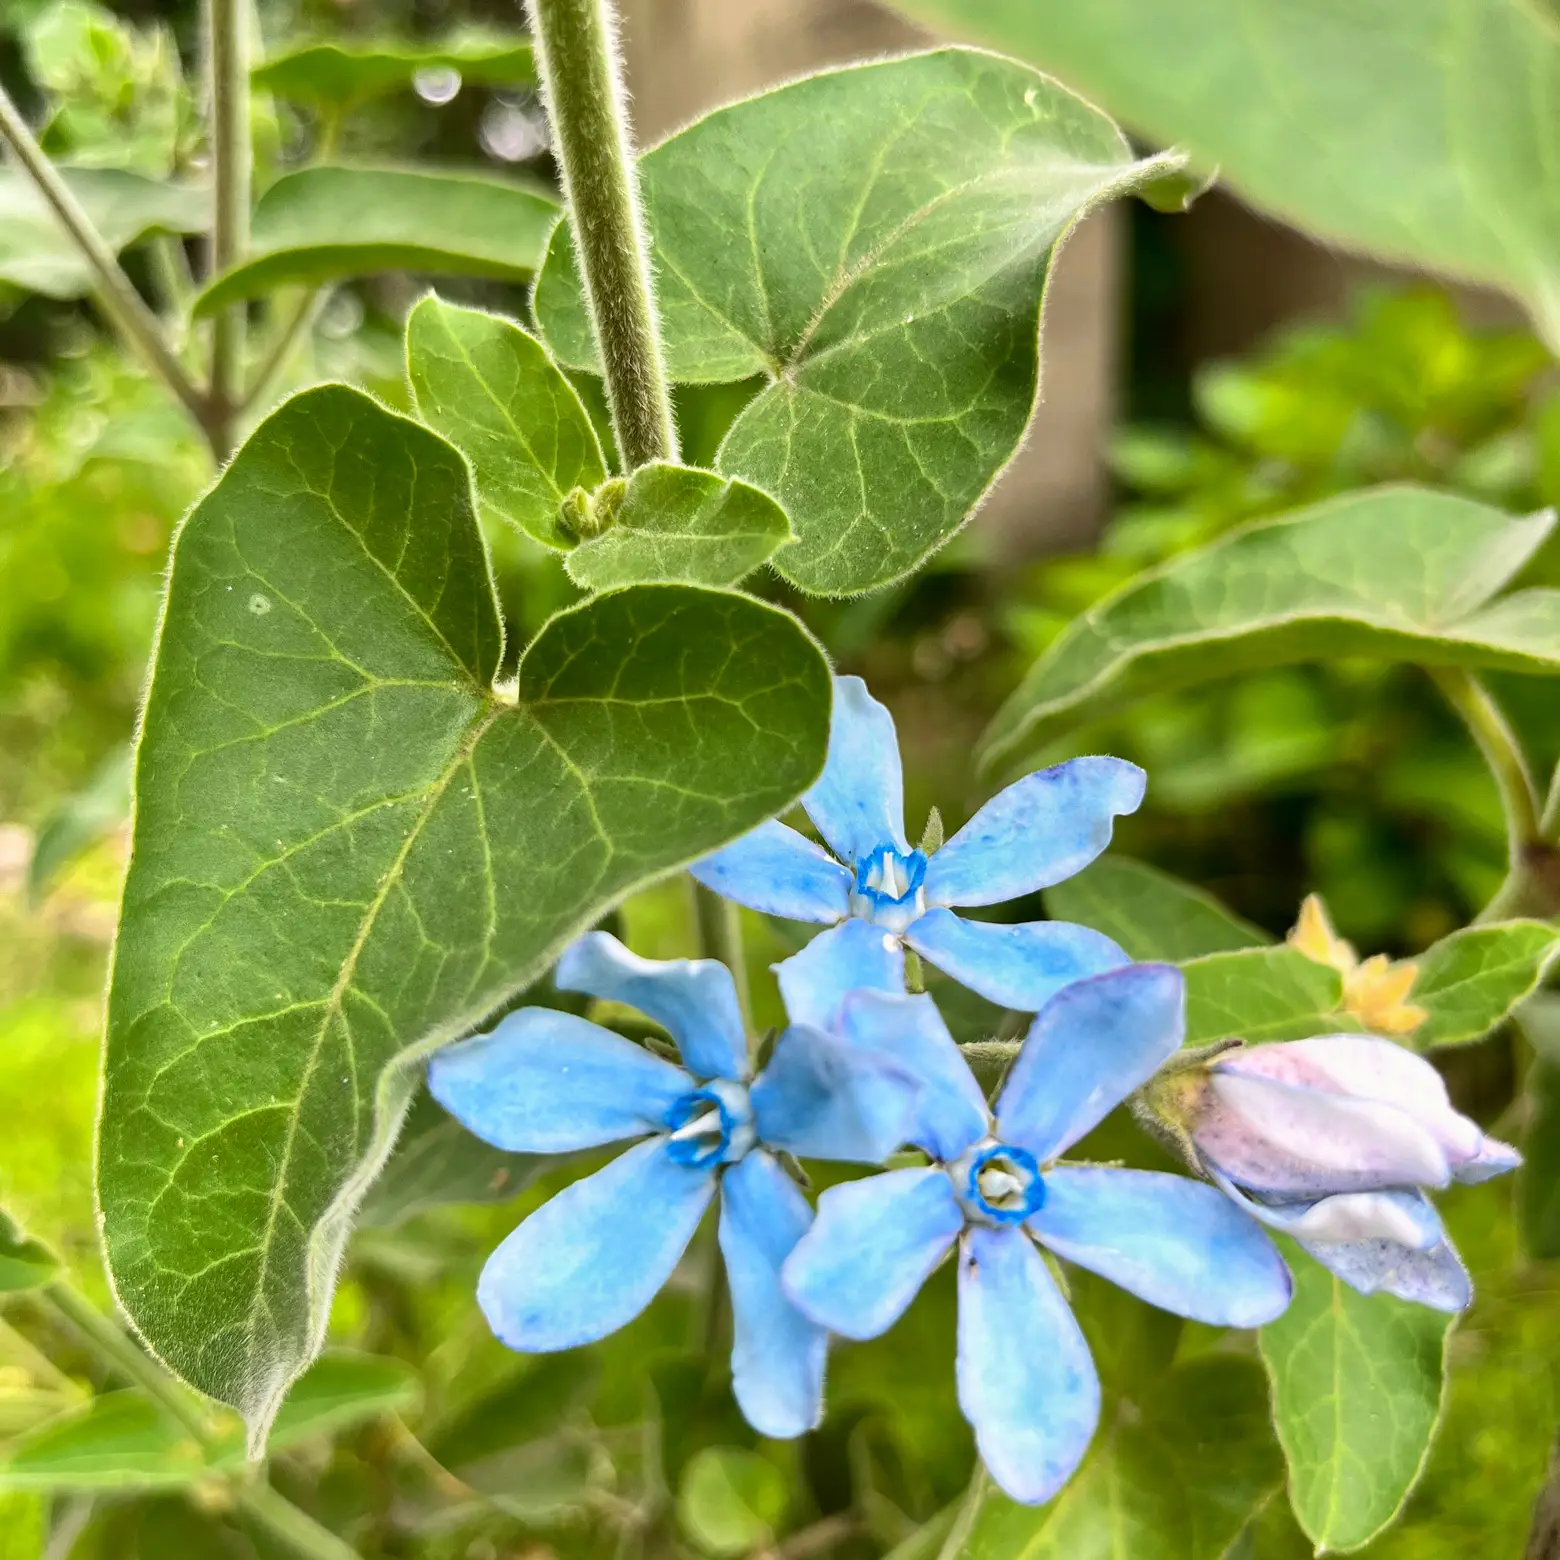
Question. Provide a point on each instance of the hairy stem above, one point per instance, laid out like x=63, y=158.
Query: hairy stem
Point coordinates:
x=227, y=47
x=718, y=924
x=123, y=304
x=582, y=87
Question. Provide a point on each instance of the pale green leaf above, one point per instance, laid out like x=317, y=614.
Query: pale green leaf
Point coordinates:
x=1398, y=573
x=1413, y=130
x=494, y=392
x=323, y=224
x=730, y=1501
x=1357, y=1384
x=1260, y=994
x=24, y=1263
x=676, y=523
x=342, y=1389
x=1179, y=1480
x=118, y=1442
x=341, y=75
x=1469, y=982
x=1538, y=1184
x=24, y=1526
x=349, y=848
x=37, y=254
x=1149, y=913
x=886, y=279
x=80, y=820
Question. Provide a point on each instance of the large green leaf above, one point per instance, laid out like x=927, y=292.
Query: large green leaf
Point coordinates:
x=121, y=1441
x=349, y=848
x=494, y=392
x=1180, y=1481
x=340, y=76
x=889, y=288
x=1413, y=130
x=35, y=251
x=1357, y=1384
x=1149, y=913
x=322, y=224
x=1399, y=573
x=1469, y=982
x=1261, y=994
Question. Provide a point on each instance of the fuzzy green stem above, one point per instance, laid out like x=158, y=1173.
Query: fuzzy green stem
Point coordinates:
x=964, y=1523
x=227, y=47
x=122, y=303
x=718, y=924
x=582, y=86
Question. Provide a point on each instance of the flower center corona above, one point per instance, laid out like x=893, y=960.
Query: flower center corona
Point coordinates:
x=712, y=1125
x=998, y=1183
x=888, y=889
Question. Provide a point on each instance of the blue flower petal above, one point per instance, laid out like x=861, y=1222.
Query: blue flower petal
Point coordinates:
x=820, y=1098
x=546, y=1082
x=1436, y=1278
x=777, y=1355
x=693, y=999
x=1021, y=966
x=1026, y=1381
x=1177, y=1243
x=871, y=1248
x=776, y=870
x=1403, y=1217
x=1092, y=1045
x=854, y=956
x=858, y=803
x=590, y=1260
x=951, y=1112
x=1037, y=832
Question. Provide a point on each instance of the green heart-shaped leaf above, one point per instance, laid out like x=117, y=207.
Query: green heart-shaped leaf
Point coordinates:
x=349, y=848
x=890, y=290
x=1260, y=994
x=1398, y=573
x=1469, y=982
x=335, y=75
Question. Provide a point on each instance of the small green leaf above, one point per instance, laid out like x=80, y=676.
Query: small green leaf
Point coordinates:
x=1260, y=994
x=350, y=848
x=340, y=76
x=24, y=1263
x=895, y=309
x=119, y=1441
x=1469, y=982
x=1178, y=1481
x=324, y=224
x=80, y=820
x=1397, y=573
x=495, y=393
x=730, y=1501
x=37, y=254
x=1357, y=1385
x=342, y=1389
x=1151, y=914
x=1538, y=1183
x=676, y=523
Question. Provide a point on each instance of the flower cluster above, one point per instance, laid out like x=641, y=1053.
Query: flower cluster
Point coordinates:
x=1331, y=1141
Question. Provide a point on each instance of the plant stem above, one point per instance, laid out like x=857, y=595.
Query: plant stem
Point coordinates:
x=35, y=1362
x=293, y=1526
x=227, y=45
x=974, y=1499
x=582, y=86
x=123, y=304
x=283, y=343
x=718, y=926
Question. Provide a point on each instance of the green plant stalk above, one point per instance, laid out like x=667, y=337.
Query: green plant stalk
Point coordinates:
x=582, y=86
x=123, y=304
x=283, y=344
x=227, y=50
x=718, y=924
x=292, y=1525
x=964, y=1523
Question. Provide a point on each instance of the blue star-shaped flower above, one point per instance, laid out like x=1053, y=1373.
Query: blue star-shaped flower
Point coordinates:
x=1025, y=1378
x=1037, y=832
x=591, y=1259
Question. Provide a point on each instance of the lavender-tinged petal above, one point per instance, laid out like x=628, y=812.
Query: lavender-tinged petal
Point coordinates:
x=693, y=999
x=858, y=803
x=951, y=1112
x=590, y=1260
x=1172, y=1241
x=1026, y=1381
x=854, y=956
x=777, y=1354
x=776, y=870
x=820, y=1098
x=870, y=1249
x=1020, y=966
x=1436, y=1278
x=545, y=1082
x=1039, y=831
x=1493, y=1158
x=1092, y=1045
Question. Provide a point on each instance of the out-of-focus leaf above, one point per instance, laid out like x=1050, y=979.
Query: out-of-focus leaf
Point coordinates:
x=730, y=1501
x=23, y=1526
x=342, y=1389
x=1260, y=994
x=1357, y=1389
x=1151, y=914
x=1180, y=1481
x=894, y=307
x=1397, y=573
x=118, y=1442
x=323, y=224
x=37, y=254
x=1470, y=981
x=1538, y=1184
x=24, y=1263
x=336, y=75
x=81, y=820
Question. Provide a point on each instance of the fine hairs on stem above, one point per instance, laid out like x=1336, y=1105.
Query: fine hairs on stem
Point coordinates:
x=227, y=48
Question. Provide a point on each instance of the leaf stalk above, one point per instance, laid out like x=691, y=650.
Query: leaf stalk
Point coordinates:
x=227, y=52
